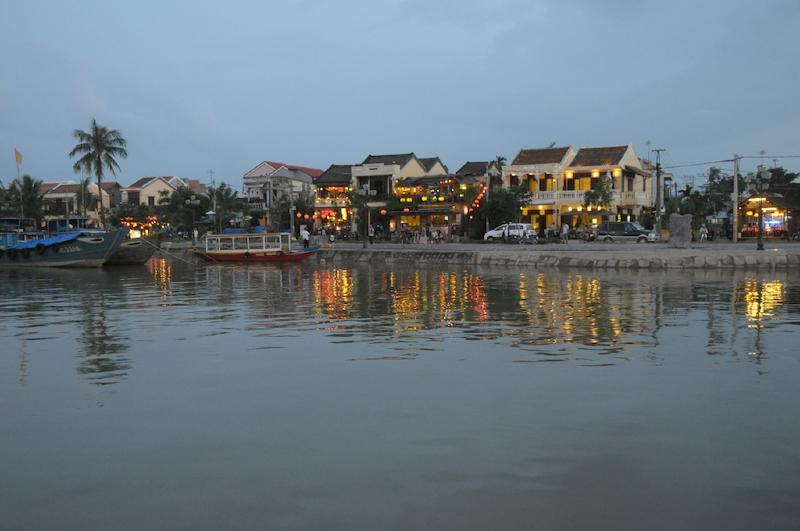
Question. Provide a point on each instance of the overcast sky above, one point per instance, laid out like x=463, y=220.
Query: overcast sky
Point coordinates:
x=219, y=85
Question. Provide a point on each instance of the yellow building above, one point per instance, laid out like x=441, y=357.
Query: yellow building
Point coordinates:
x=559, y=177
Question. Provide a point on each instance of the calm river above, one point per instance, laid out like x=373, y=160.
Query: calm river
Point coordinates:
x=320, y=397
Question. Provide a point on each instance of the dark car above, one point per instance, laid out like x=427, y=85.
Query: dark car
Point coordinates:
x=624, y=231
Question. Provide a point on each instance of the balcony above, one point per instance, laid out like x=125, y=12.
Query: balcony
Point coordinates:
x=572, y=196
x=331, y=202
x=632, y=198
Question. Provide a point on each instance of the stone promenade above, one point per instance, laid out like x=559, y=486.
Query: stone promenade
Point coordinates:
x=655, y=256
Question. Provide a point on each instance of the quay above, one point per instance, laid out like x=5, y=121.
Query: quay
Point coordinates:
x=657, y=256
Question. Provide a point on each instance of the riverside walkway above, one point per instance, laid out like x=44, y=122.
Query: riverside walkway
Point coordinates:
x=577, y=254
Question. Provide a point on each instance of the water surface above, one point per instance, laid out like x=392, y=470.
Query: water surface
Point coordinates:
x=313, y=396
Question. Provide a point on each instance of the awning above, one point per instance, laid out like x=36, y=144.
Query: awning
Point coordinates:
x=47, y=242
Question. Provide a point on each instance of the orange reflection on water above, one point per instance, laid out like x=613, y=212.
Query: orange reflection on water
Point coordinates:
x=762, y=298
x=333, y=291
x=161, y=270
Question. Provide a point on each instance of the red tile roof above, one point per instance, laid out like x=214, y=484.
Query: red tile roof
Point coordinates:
x=312, y=172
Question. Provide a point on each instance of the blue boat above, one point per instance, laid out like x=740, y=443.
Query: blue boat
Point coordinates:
x=74, y=249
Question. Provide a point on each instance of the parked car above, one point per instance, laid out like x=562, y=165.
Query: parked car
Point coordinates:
x=513, y=231
x=624, y=231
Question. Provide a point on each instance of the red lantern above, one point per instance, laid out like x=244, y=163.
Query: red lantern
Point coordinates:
x=384, y=212
x=406, y=210
x=306, y=216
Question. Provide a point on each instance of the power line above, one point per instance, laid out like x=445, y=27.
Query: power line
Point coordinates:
x=697, y=164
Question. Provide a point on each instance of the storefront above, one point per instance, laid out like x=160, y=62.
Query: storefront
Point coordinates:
x=777, y=212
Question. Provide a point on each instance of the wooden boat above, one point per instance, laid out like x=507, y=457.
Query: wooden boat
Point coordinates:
x=251, y=248
x=133, y=252
x=74, y=249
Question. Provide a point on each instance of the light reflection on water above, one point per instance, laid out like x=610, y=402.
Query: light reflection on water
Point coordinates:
x=455, y=384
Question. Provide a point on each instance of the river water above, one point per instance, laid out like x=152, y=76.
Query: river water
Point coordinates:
x=321, y=397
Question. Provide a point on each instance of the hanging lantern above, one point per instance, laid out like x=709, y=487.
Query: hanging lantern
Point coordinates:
x=306, y=216
x=384, y=212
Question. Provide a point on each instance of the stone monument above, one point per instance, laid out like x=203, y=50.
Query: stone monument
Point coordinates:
x=680, y=230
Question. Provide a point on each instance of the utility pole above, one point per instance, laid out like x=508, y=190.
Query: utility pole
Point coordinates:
x=214, y=200
x=735, y=197
x=659, y=191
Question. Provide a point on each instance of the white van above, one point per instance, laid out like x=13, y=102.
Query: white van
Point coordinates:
x=513, y=231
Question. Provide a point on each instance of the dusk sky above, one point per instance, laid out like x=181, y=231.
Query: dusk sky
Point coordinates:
x=217, y=85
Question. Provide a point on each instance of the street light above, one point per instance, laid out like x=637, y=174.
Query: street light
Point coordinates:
x=192, y=203
x=365, y=192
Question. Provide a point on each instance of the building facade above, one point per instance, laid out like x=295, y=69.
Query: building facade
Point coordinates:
x=269, y=181
x=559, y=177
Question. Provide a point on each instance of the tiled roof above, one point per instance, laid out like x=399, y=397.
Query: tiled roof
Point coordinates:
x=599, y=156
x=335, y=175
x=109, y=185
x=141, y=183
x=400, y=159
x=540, y=156
x=312, y=172
x=46, y=187
x=473, y=168
x=429, y=162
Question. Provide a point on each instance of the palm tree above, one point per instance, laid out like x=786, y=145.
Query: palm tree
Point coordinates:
x=98, y=150
x=26, y=196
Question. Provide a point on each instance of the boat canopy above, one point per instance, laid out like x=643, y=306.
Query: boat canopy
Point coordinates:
x=47, y=242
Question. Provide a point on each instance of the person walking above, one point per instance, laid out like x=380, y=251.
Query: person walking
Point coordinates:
x=304, y=234
x=703, y=232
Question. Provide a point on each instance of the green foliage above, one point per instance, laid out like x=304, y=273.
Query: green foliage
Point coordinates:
x=183, y=207
x=602, y=195
x=504, y=204
x=85, y=200
x=98, y=151
x=227, y=203
x=24, y=197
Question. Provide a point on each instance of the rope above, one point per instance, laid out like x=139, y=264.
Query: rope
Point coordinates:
x=176, y=257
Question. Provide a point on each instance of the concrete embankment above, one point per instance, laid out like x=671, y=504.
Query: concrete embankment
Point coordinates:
x=648, y=258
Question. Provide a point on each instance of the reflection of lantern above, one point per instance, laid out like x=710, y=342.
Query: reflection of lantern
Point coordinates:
x=383, y=212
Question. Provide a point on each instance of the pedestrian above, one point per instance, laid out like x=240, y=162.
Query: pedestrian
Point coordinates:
x=305, y=236
x=703, y=232
x=565, y=232
x=371, y=233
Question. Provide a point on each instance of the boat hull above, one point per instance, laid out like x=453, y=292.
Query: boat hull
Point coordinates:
x=132, y=252
x=89, y=250
x=295, y=256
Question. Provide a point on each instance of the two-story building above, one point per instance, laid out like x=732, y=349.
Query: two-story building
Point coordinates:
x=149, y=190
x=559, y=177
x=60, y=199
x=380, y=174
x=331, y=201
x=269, y=181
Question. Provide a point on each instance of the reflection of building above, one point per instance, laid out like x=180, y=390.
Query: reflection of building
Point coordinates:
x=558, y=179
x=778, y=216
x=270, y=181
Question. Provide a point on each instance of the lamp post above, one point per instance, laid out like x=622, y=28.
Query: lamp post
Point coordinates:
x=365, y=192
x=761, y=183
x=192, y=203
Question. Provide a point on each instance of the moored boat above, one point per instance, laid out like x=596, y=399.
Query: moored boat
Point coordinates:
x=133, y=252
x=252, y=248
x=74, y=249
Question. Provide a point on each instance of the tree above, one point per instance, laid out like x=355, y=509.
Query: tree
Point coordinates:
x=601, y=195
x=98, y=150
x=226, y=200
x=504, y=204
x=175, y=208
x=25, y=197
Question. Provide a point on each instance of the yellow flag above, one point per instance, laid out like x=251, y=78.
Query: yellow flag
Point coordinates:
x=18, y=156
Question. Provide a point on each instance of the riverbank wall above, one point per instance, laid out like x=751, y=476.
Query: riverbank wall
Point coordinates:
x=653, y=259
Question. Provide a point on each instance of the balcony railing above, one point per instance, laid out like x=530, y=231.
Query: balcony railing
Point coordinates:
x=331, y=202
x=576, y=196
